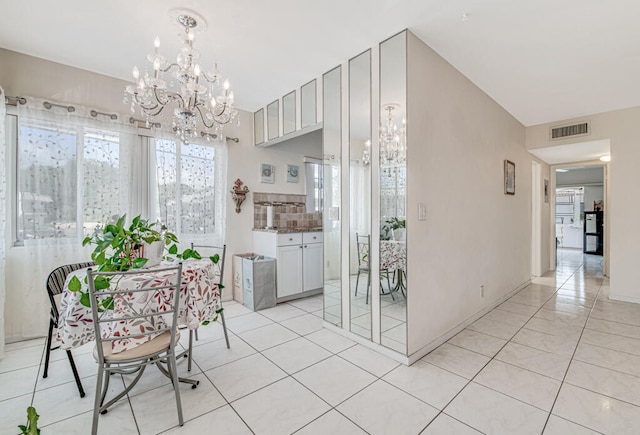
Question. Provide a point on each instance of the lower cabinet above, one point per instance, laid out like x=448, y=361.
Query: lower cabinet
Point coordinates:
x=298, y=260
x=289, y=264
x=312, y=266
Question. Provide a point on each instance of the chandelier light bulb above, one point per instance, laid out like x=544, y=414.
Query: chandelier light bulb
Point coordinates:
x=196, y=70
x=226, y=85
x=191, y=36
x=156, y=43
x=141, y=84
x=136, y=73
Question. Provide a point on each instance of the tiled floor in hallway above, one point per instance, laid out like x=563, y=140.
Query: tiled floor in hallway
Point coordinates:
x=557, y=358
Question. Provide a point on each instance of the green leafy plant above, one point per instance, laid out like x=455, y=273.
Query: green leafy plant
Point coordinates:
x=117, y=249
x=386, y=231
x=32, y=423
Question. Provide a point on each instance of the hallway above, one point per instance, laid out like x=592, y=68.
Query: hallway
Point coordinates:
x=559, y=358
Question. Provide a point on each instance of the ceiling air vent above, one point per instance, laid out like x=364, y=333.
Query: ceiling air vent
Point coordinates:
x=564, y=131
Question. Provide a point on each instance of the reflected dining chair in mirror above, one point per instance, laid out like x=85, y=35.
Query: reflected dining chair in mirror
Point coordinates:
x=135, y=322
x=364, y=247
x=55, y=286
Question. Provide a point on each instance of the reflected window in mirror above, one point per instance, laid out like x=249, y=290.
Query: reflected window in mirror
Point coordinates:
x=313, y=184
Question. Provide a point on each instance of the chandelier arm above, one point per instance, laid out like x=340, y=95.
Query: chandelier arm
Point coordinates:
x=151, y=111
x=205, y=75
x=222, y=112
x=203, y=118
x=142, y=105
x=169, y=67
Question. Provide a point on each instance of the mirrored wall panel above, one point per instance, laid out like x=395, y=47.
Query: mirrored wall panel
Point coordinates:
x=289, y=113
x=331, y=158
x=360, y=194
x=308, y=104
x=393, y=193
x=273, y=120
x=258, y=127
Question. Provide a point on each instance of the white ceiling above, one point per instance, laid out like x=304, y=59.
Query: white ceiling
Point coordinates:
x=542, y=60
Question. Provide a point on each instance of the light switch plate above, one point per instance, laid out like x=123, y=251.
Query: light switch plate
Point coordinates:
x=422, y=212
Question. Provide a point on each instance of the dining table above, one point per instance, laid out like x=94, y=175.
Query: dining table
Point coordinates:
x=200, y=301
x=393, y=258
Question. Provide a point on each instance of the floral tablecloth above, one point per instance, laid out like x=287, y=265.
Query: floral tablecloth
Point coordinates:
x=393, y=255
x=199, y=302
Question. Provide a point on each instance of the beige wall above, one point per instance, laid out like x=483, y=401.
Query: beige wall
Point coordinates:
x=623, y=205
x=28, y=76
x=474, y=234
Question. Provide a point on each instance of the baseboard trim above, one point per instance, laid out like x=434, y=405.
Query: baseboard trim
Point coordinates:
x=624, y=299
x=458, y=328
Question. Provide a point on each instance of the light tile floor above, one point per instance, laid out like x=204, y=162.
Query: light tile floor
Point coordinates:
x=557, y=358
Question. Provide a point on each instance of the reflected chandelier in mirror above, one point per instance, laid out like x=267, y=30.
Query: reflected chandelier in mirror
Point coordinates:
x=393, y=139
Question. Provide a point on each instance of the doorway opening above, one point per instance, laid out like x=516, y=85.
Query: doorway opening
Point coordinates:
x=579, y=212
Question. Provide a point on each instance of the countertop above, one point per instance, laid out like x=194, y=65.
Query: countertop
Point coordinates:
x=289, y=230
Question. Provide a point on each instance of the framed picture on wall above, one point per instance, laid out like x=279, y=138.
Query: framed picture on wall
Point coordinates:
x=267, y=173
x=546, y=191
x=293, y=173
x=509, y=178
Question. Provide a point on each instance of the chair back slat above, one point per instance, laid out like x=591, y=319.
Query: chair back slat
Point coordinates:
x=144, y=302
x=209, y=249
x=363, y=245
x=56, y=279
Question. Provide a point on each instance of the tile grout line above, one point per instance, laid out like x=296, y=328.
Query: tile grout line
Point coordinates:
x=571, y=361
x=492, y=358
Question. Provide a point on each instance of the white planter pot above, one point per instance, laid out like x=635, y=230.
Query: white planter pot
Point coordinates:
x=153, y=253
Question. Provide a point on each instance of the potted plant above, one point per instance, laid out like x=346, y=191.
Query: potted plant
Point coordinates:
x=31, y=428
x=121, y=247
x=390, y=225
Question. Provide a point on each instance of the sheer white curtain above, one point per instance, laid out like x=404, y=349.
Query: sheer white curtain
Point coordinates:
x=188, y=188
x=73, y=172
x=3, y=218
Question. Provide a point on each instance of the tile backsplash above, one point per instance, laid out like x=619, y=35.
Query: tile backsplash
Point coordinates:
x=289, y=211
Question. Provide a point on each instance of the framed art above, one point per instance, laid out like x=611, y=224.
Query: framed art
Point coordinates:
x=509, y=178
x=293, y=173
x=546, y=191
x=267, y=173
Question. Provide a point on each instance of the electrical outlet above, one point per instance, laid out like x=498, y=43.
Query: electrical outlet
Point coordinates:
x=482, y=291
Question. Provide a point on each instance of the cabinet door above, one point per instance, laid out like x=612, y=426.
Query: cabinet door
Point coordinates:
x=312, y=266
x=289, y=270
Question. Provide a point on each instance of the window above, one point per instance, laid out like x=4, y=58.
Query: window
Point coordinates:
x=53, y=160
x=393, y=191
x=75, y=172
x=313, y=188
x=186, y=184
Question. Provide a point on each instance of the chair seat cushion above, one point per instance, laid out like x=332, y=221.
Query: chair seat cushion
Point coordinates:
x=157, y=344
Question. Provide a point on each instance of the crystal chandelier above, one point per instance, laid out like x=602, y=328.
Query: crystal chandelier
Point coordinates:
x=393, y=139
x=202, y=102
x=366, y=153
